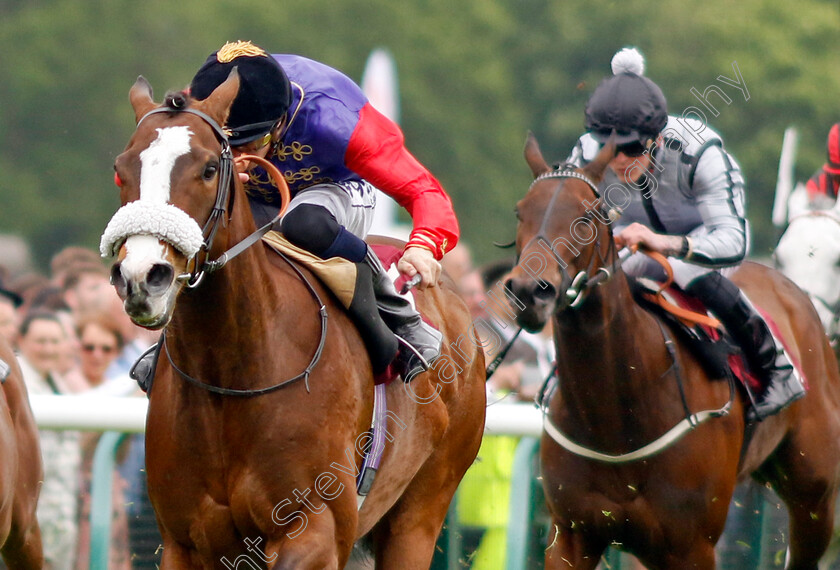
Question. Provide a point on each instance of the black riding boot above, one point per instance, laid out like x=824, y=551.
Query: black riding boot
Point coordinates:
x=763, y=353
x=420, y=343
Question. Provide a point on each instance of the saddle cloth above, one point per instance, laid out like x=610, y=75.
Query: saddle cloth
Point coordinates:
x=698, y=334
x=336, y=273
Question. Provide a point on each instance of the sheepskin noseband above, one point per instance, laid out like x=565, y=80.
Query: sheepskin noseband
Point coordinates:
x=164, y=221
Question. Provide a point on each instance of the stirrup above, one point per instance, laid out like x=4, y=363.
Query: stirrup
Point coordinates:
x=410, y=364
x=143, y=369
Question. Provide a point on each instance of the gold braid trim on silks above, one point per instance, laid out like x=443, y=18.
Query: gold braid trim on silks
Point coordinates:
x=232, y=50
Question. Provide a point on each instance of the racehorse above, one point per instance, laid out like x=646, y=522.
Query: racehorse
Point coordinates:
x=808, y=253
x=263, y=393
x=21, y=471
x=652, y=445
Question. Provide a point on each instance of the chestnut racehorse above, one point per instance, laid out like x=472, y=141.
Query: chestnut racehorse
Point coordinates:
x=622, y=475
x=21, y=471
x=270, y=477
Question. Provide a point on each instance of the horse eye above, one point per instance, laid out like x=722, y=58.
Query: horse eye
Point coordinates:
x=210, y=171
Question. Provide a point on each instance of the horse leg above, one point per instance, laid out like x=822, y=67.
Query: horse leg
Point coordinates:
x=177, y=557
x=811, y=525
x=406, y=537
x=24, y=550
x=314, y=552
x=567, y=549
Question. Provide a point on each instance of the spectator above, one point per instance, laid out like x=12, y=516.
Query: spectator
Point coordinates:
x=101, y=341
x=532, y=355
x=10, y=302
x=458, y=263
x=69, y=258
x=86, y=288
x=28, y=286
x=41, y=337
x=484, y=494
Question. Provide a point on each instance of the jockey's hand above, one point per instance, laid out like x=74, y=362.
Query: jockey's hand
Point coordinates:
x=637, y=236
x=420, y=260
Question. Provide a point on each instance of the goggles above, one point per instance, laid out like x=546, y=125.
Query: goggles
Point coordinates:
x=631, y=149
x=253, y=145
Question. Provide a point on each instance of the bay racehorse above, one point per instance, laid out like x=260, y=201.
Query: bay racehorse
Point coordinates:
x=263, y=392
x=651, y=445
x=21, y=471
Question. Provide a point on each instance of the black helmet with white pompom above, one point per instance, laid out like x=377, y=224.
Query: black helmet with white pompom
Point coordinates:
x=627, y=102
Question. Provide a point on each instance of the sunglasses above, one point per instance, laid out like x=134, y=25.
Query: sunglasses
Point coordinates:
x=632, y=149
x=107, y=349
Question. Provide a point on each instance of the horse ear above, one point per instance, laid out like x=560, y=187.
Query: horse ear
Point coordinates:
x=219, y=102
x=140, y=96
x=595, y=169
x=534, y=157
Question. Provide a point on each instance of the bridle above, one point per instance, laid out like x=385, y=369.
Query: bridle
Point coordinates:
x=575, y=295
x=220, y=213
x=224, y=202
x=575, y=288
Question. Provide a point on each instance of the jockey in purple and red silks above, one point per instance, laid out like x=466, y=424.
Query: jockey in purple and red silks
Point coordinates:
x=826, y=181
x=334, y=149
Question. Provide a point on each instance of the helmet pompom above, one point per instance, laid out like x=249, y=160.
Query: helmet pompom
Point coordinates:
x=628, y=60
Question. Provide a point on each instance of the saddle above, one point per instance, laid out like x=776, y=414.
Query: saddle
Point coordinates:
x=341, y=278
x=706, y=337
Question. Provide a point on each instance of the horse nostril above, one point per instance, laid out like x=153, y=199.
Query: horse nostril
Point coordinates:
x=546, y=294
x=160, y=276
x=118, y=281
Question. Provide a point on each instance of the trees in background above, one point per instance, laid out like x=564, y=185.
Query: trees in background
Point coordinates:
x=475, y=76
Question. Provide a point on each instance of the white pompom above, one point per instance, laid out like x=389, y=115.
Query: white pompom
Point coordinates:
x=628, y=60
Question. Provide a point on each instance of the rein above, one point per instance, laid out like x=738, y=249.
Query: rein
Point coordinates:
x=322, y=311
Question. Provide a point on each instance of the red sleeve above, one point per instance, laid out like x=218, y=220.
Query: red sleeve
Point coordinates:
x=813, y=186
x=377, y=153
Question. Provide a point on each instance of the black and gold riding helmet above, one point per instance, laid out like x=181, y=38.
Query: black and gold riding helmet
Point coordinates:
x=265, y=92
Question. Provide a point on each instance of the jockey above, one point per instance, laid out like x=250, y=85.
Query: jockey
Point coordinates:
x=823, y=185
x=334, y=150
x=681, y=194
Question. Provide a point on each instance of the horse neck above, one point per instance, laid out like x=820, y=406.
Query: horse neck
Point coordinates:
x=599, y=341
x=240, y=300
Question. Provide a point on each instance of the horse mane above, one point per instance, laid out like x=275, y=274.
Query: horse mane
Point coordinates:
x=177, y=100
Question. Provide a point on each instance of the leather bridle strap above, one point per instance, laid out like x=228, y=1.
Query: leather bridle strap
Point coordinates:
x=322, y=311
x=257, y=235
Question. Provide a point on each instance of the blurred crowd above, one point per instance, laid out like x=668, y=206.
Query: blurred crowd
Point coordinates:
x=71, y=336
x=482, y=504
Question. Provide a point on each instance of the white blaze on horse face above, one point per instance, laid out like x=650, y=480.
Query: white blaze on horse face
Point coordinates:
x=144, y=251
x=141, y=253
x=156, y=165
x=158, y=160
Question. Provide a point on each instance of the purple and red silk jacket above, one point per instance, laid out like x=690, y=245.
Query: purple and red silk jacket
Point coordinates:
x=821, y=184
x=334, y=135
